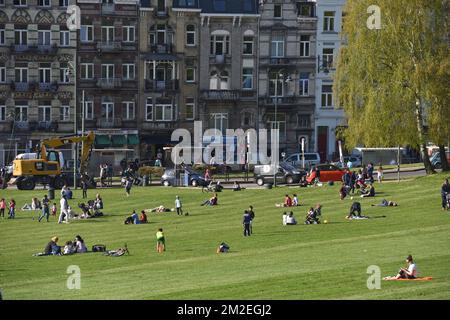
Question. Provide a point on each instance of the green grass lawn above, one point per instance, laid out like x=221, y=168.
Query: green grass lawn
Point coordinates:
x=326, y=261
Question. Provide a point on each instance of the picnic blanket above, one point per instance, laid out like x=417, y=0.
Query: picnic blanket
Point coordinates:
x=415, y=279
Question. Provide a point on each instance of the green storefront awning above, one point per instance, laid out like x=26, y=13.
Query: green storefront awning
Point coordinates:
x=118, y=140
x=133, y=139
x=102, y=141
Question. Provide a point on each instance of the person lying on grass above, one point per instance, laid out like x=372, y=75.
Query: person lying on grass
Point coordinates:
x=385, y=203
x=410, y=272
x=159, y=209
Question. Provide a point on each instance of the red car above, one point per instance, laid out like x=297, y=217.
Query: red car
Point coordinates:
x=328, y=172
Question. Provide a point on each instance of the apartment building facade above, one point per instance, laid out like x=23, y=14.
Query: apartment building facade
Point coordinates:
x=108, y=77
x=287, y=44
x=329, y=118
x=37, y=87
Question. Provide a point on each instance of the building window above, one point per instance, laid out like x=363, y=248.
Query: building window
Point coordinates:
x=218, y=121
x=277, y=46
x=327, y=57
x=303, y=121
x=64, y=72
x=107, y=111
x=247, y=78
x=107, y=71
x=87, y=33
x=190, y=108
x=64, y=113
x=2, y=74
x=328, y=21
x=128, y=110
x=278, y=11
x=2, y=113
x=248, y=45
x=248, y=119
x=89, y=110
x=163, y=112
x=279, y=124
x=128, y=71
x=190, y=74
x=190, y=35
x=2, y=2
x=220, y=44
x=327, y=96
x=108, y=34
x=20, y=3
x=44, y=37
x=149, y=109
x=44, y=73
x=304, y=46
x=21, y=74
x=2, y=36
x=64, y=38
x=44, y=113
x=87, y=71
x=278, y=84
x=21, y=37
x=219, y=82
x=129, y=34
x=304, y=84
x=21, y=113
x=63, y=3
x=44, y=3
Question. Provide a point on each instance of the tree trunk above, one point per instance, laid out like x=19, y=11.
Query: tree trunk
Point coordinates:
x=423, y=147
x=444, y=162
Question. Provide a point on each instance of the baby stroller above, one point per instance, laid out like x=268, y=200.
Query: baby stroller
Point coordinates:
x=312, y=218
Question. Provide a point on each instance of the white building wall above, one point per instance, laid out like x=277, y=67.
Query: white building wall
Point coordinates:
x=330, y=116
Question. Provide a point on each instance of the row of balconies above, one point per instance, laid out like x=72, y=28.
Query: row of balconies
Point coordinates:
x=34, y=86
x=34, y=48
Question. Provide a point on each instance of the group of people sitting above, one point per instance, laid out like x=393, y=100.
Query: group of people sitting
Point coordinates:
x=71, y=247
x=134, y=218
x=289, y=202
x=365, y=190
x=312, y=217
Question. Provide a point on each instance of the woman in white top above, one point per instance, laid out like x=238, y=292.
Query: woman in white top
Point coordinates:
x=410, y=272
x=380, y=174
x=290, y=219
x=284, y=218
x=80, y=247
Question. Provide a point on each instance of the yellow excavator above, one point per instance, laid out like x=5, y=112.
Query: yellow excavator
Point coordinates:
x=46, y=167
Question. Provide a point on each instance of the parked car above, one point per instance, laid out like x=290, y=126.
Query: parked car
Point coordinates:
x=195, y=179
x=355, y=160
x=436, y=159
x=285, y=173
x=296, y=160
x=328, y=172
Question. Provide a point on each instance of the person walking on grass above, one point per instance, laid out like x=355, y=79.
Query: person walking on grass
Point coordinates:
x=246, y=222
x=252, y=215
x=178, y=206
x=128, y=185
x=445, y=191
x=380, y=174
x=84, y=187
x=64, y=210
x=45, y=208
x=160, y=241
x=12, y=209
x=2, y=207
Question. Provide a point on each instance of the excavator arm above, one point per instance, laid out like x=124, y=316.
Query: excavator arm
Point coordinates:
x=87, y=143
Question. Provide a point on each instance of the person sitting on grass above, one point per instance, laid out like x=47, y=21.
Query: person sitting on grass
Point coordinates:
x=368, y=193
x=135, y=217
x=211, y=202
x=160, y=241
x=80, y=247
x=312, y=216
x=36, y=204
x=285, y=218
x=51, y=248
x=410, y=272
x=295, y=201
x=69, y=248
x=236, y=186
x=143, y=217
x=385, y=203
x=98, y=202
x=290, y=219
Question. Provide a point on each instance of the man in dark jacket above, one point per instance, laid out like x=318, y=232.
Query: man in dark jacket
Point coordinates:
x=246, y=222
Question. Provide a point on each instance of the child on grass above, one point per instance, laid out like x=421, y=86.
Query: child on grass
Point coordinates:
x=160, y=241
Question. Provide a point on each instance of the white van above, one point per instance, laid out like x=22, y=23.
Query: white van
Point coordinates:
x=296, y=160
